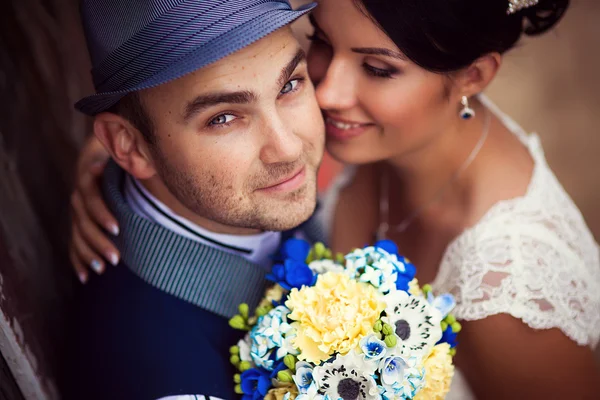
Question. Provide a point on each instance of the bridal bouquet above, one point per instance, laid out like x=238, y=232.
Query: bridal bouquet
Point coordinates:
x=346, y=327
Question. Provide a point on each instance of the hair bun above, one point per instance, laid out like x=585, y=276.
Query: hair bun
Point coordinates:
x=543, y=16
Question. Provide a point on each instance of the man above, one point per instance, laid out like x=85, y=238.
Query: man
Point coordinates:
x=215, y=136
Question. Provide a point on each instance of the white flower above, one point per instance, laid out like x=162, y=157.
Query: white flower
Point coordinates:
x=372, y=347
x=343, y=378
x=304, y=376
x=375, y=266
x=287, y=345
x=401, y=378
x=260, y=345
x=391, y=370
x=416, y=323
x=271, y=333
x=323, y=266
x=312, y=394
x=444, y=303
x=244, y=349
x=261, y=353
x=372, y=275
x=275, y=325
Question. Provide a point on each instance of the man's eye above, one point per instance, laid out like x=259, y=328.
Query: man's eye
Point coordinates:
x=290, y=86
x=222, y=119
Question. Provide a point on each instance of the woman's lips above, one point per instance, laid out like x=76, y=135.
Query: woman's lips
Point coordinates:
x=343, y=130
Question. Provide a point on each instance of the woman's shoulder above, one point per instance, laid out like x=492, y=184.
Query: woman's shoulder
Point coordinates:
x=532, y=257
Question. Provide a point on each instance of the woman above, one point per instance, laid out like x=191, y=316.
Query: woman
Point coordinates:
x=465, y=191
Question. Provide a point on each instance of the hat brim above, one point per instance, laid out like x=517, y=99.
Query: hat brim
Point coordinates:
x=223, y=46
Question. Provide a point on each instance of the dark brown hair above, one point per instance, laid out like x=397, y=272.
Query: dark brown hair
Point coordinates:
x=447, y=35
x=131, y=108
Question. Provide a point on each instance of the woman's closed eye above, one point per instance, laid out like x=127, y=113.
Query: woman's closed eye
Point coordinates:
x=379, y=72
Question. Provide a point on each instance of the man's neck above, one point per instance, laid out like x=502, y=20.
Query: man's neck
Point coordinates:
x=157, y=188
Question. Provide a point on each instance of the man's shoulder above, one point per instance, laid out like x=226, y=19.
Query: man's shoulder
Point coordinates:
x=133, y=338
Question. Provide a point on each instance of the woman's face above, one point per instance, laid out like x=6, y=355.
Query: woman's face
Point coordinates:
x=376, y=103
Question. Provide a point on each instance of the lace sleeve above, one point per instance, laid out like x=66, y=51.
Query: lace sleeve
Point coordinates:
x=529, y=271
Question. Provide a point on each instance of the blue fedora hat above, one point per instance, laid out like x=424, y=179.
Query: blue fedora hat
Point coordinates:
x=138, y=44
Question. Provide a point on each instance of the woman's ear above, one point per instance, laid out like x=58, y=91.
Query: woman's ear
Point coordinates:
x=125, y=144
x=477, y=76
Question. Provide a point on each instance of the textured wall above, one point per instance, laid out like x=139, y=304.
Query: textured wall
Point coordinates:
x=551, y=85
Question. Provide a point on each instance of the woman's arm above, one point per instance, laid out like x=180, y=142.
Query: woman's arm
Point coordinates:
x=503, y=358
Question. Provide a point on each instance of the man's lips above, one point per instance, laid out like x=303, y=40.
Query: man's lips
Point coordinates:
x=288, y=183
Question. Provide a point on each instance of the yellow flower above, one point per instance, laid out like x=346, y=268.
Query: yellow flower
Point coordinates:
x=279, y=392
x=414, y=288
x=438, y=374
x=332, y=316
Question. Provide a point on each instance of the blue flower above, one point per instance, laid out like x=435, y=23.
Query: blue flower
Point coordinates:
x=372, y=347
x=294, y=249
x=304, y=376
x=445, y=303
x=278, y=367
x=391, y=370
x=410, y=268
x=406, y=276
x=388, y=246
x=292, y=274
x=256, y=382
x=448, y=336
x=381, y=266
x=402, y=282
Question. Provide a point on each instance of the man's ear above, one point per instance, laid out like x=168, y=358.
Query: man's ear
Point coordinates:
x=477, y=76
x=125, y=144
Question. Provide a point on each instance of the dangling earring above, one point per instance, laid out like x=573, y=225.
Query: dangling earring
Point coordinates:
x=466, y=112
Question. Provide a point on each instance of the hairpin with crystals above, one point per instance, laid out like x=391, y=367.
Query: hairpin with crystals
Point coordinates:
x=517, y=5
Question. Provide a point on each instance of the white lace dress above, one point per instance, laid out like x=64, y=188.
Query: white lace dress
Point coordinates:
x=532, y=257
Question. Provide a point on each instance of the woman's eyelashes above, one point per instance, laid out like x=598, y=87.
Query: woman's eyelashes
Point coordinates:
x=370, y=69
x=379, y=72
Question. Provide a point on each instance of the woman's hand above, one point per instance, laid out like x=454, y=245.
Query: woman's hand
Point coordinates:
x=90, y=246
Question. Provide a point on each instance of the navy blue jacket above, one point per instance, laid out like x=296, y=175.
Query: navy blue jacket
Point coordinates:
x=134, y=341
x=157, y=324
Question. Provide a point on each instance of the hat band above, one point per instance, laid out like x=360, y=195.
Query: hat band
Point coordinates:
x=170, y=38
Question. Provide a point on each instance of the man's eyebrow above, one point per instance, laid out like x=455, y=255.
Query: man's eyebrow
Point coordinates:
x=289, y=69
x=377, y=51
x=204, y=101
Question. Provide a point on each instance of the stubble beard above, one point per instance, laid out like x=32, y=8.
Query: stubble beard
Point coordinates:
x=214, y=197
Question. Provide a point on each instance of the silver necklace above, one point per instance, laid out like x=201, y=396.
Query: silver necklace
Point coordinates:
x=384, y=206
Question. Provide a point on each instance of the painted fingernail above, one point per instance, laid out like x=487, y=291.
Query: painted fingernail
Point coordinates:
x=96, y=266
x=114, y=229
x=113, y=258
x=82, y=277
x=97, y=163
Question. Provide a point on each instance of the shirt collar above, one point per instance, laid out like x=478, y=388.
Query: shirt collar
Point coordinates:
x=257, y=248
x=209, y=277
